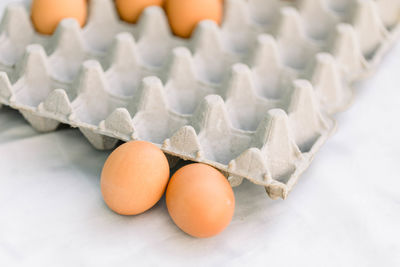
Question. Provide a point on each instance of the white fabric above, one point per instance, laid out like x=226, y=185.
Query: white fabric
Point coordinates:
x=345, y=210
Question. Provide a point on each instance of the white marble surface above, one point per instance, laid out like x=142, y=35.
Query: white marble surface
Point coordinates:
x=345, y=211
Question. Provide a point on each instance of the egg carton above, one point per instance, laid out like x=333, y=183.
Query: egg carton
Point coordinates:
x=252, y=98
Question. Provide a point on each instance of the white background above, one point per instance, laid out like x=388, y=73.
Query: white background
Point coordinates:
x=345, y=211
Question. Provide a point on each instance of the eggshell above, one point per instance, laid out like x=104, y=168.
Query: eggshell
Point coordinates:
x=134, y=177
x=130, y=10
x=200, y=200
x=46, y=14
x=184, y=15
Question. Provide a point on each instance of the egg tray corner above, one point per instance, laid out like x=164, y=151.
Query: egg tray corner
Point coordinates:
x=253, y=98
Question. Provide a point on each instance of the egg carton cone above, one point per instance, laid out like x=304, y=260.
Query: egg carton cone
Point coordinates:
x=253, y=98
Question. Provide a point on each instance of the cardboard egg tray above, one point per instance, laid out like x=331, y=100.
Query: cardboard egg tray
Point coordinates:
x=253, y=98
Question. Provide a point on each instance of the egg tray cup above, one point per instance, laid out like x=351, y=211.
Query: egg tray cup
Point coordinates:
x=253, y=98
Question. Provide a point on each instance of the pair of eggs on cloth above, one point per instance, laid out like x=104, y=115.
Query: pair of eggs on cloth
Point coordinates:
x=183, y=15
x=199, y=198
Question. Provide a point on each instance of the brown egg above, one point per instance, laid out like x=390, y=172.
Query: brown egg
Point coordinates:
x=200, y=200
x=134, y=177
x=184, y=15
x=130, y=10
x=46, y=14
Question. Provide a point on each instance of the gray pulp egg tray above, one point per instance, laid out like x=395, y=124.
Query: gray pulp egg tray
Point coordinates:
x=253, y=98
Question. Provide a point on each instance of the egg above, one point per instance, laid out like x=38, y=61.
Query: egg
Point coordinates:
x=46, y=14
x=200, y=200
x=130, y=10
x=184, y=15
x=134, y=177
